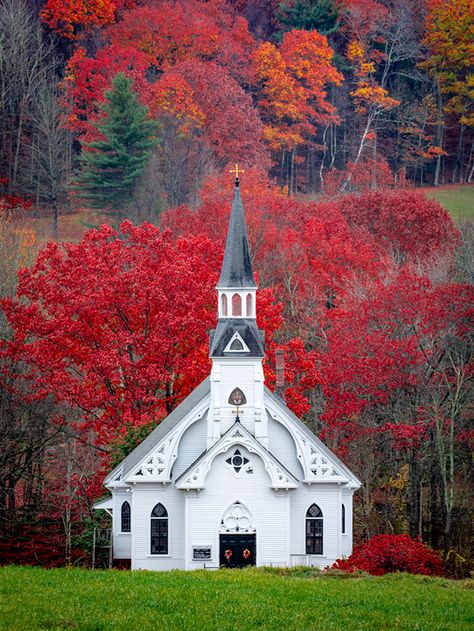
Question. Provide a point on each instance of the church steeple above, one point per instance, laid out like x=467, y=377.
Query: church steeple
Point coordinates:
x=237, y=266
x=237, y=344
x=237, y=331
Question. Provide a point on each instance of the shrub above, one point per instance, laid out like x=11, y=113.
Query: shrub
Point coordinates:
x=392, y=553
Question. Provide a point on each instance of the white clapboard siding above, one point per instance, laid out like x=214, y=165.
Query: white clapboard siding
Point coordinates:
x=191, y=446
x=121, y=541
x=282, y=446
x=326, y=497
x=347, y=536
x=269, y=509
x=145, y=497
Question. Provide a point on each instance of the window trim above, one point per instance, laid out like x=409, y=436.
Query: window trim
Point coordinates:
x=314, y=538
x=166, y=519
x=122, y=529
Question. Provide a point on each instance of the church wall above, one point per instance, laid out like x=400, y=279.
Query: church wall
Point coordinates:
x=145, y=497
x=347, y=496
x=269, y=509
x=191, y=446
x=282, y=446
x=121, y=540
x=246, y=376
x=329, y=499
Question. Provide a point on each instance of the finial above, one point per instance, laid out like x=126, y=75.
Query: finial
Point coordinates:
x=237, y=171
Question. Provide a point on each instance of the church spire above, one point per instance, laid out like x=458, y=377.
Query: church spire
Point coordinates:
x=237, y=266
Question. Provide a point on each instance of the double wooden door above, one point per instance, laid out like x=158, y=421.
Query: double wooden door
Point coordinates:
x=238, y=550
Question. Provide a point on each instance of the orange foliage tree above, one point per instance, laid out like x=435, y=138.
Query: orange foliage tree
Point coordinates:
x=76, y=18
x=292, y=85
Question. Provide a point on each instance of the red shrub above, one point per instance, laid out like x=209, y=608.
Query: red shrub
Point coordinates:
x=392, y=553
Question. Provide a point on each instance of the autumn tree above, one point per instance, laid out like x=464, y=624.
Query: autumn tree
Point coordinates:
x=111, y=166
x=293, y=81
x=74, y=19
x=448, y=38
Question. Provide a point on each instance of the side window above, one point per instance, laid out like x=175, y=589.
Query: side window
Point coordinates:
x=343, y=519
x=249, y=305
x=314, y=530
x=159, y=530
x=224, y=305
x=125, y=517
x=236, y=305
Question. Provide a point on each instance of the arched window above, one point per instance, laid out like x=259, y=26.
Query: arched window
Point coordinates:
x=249, y=305
x=236, y=305
x=159, y=530
x=314, y=530
x=343, y=519
x=236, y=345
x=125, y=521
x=224, y=305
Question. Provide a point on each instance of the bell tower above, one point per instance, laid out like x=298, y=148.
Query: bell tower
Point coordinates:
x=237, y=345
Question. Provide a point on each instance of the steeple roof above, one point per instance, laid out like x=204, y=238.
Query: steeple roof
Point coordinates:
x=237, y=265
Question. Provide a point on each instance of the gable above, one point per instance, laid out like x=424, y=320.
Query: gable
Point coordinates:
x=159, y=450
x=319, y=463
x=195, y=476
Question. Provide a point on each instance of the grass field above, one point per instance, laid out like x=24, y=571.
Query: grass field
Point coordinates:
x=457, y=199
x=34, y=598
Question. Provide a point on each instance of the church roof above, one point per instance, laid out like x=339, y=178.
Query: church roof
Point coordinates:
x=166, y=425
x=237, y=265
x=311, y=435
x=248, y=331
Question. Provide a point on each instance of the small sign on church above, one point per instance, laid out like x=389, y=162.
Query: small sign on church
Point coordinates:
x=202, y=553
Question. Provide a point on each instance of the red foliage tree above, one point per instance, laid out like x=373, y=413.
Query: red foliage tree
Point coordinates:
x=76, y=18
x=175, y=30
x=384, y=554
x=211, y=101
x=406, y=223
x=88, y=78
x=117, y=325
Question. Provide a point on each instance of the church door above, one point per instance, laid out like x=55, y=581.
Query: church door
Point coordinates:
x=238, y=550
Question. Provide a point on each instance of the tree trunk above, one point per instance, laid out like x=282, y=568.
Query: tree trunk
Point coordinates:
x=439, y=135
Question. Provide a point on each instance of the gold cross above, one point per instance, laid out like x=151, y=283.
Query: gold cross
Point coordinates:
x=238, y=412
x=236, y=171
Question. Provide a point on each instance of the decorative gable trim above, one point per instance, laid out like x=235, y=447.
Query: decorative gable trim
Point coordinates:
x=156, y=466
x=318, y=462
x=195, y=476
x=236, y=341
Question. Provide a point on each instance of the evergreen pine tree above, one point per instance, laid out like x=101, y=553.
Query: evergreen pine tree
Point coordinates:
x=309, y=15
x=110, y=167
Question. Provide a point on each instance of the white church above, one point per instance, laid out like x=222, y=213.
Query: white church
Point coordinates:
x=231, y=477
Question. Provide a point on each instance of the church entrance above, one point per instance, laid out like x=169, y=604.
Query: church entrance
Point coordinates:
x=237, y=550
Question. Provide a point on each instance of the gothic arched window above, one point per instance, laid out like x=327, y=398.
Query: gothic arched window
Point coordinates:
x=125, y=517
x=224, y=305
x=249, y=305
x=159, y=530
x=236, y=345
x=314, y=530
x=236, y=305
x=343, y=519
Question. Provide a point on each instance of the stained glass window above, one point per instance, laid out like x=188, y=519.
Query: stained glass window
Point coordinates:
x=159, y=530
x=125, y=525
x=314, y=530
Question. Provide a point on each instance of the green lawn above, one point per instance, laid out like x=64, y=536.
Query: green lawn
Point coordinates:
x=33, y=598
x=458, y=200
